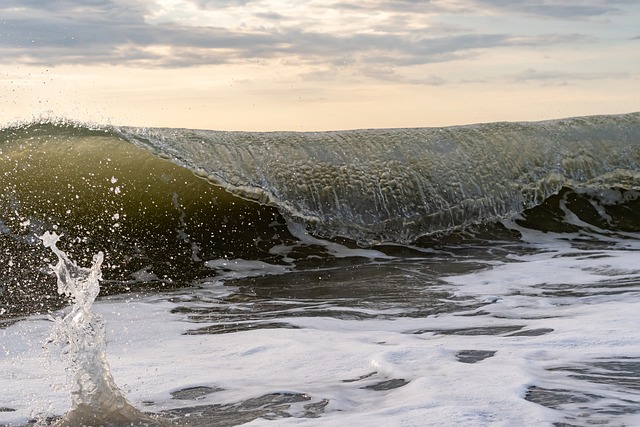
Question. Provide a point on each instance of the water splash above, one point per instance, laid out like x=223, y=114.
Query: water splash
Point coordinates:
x=96, y=400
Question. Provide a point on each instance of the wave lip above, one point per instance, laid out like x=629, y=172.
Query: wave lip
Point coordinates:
x=399, y=184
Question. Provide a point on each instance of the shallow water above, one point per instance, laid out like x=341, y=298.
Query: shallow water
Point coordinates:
x=547, y=336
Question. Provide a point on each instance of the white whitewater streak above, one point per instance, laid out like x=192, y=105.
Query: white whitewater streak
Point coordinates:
x=239, y=268
x=337, y=250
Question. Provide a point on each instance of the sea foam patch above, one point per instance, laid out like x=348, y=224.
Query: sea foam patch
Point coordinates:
x=552, y=337
x=403, y=370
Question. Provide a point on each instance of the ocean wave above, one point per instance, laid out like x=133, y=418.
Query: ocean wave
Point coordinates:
x=138, y=194
x=399, y=184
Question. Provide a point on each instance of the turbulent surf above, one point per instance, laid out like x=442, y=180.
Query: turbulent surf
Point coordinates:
x=360, y=225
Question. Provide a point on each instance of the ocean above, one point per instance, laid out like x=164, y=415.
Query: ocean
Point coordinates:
x=477, y=275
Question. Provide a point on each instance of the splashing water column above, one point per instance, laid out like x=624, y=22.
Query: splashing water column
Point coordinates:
x=96, y=400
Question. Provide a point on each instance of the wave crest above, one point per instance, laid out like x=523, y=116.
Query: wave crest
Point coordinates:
x=400, y=184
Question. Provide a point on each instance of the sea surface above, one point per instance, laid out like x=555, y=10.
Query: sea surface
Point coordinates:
x=478, y=275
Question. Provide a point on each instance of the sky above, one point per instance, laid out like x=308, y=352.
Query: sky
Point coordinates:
x=317, y=65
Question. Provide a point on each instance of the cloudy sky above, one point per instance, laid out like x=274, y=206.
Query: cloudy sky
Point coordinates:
x=317, y=64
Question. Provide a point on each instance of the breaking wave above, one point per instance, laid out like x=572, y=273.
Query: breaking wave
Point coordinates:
x=161, y=201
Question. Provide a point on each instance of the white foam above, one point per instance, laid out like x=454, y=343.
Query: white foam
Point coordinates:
x=535, y=274
x=236, y=268
x=337, y=359
x=337, y=250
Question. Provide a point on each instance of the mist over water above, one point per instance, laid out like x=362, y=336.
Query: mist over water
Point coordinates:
x=475, y=275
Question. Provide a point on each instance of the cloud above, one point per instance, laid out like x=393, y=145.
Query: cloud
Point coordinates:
x=371, y=36
x=559, y=9
x=272, y=16
x=217, y=4
x=566, y=10
x=554, y=77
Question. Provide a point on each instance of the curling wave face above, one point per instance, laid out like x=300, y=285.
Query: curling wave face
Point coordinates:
x=399, y=184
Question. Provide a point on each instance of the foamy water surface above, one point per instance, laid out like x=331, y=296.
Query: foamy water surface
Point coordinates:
x=547, y=335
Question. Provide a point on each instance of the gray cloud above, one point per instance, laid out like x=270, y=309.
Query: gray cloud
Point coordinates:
x=115, y=32
x=274, y=16
x=398, y=6
x=32, y=25
x=560, y=9
x=218, y=4
x=554, y=77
